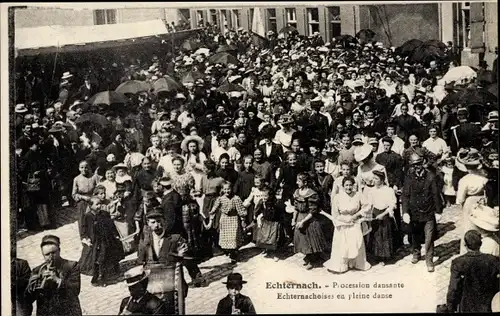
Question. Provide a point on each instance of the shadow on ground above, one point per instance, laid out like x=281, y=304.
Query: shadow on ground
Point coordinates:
x=446, y=251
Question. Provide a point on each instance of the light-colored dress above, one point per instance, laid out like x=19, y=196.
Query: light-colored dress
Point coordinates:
x=230, y=229
x=196, y=168
x=110, y=188
x=490, y=245
x=470, y=191
x=82, y=190
x=348, y=245
x=448, y=188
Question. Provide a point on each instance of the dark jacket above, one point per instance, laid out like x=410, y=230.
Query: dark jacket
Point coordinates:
x=473, y=282
x=60, y=301
x=20, y=275
x=464, y=135
x=276, y=153
x=171, y=203
x=421, y=197
x=149, y=304
x=242, y=302
x=393, y=164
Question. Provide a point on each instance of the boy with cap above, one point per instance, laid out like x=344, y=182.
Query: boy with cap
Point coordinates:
x=55, y=284
x=235, y=303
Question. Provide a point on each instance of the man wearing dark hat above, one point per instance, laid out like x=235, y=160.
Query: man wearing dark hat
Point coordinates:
x=140, y=301
x=465, y=133
x=474, y=278
x=235, y=303
x=421, y=205
x=55, y=284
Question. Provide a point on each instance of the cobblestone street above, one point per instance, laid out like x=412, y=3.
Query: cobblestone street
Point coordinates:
x=421, y=292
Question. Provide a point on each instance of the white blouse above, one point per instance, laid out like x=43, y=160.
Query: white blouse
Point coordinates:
x=470, y=185
x=383, y=198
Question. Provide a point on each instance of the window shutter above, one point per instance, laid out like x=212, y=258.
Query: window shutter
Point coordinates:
x=477, y=27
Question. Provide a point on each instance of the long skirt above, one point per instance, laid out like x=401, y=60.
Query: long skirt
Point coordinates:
x=348, y=249
x=467, y=225
x=208, y=203
x=81, y=209
x=230, y=232
x=270, y=235
x=310, y=239
x=381, y=243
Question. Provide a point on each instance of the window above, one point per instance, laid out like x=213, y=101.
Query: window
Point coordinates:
x=105, y=17
x=334, y=29
x=313, y=20
x=213, y=17
x=465, y=26
x=271, y=19
x=291, y=17
x=236, y=18
x=224, y=19
x=250, y=17
x=199, y=17
x=185, y=16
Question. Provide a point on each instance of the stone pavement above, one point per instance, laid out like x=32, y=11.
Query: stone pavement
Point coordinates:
x=421, y=293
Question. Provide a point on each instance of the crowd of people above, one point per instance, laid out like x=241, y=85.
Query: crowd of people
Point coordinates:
x=345, y=150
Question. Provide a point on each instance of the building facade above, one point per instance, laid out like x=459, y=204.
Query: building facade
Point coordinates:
x=471, y=26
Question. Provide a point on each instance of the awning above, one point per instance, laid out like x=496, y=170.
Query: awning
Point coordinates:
x=49, y=39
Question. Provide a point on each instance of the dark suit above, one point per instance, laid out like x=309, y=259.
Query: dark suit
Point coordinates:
x=62, y=300
x=171, y=203
x=464, y=135
x=117, y=150
x=242, y=302
x=20, y=275
x=149, y=304
x=473, y=282
x=274, y=158
x=146, y=254
x=85, y=93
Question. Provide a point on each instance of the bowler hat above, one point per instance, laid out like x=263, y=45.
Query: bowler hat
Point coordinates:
x=235, y=278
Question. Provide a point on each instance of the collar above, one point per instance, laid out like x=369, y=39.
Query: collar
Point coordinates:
x=155, y=236
x=167, y=191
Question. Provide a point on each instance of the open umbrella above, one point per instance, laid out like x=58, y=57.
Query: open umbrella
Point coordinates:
x=166, y=84
x=191, y=77
x=346, y=40
x=190, y=45
x=226, y=48
x=493, y=89
x=108, y=98
x=259, y=41
x=224, y=58
x=426, y=53
x=408, y=47
x=133, y=87
x=93, y=119
x=230, y=87
x=288, y=29
x=436, y=43
x=457, y=74
x=365, y=35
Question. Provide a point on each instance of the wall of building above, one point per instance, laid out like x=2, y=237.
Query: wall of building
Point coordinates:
x=34, y=17
x=140, y=14
x=402, y=22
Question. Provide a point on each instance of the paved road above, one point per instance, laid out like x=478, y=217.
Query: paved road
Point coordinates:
x=421, y=291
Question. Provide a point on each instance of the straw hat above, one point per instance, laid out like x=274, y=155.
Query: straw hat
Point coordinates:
x=495, y=303
x=120, y=166
x=66, y=75
x=485, y=218
x=471, y=159
x=187, y=140
x=362, y=152
x=136, y=275
x=21, y=108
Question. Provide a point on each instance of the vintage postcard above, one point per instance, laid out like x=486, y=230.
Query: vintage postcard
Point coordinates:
x=249, y=157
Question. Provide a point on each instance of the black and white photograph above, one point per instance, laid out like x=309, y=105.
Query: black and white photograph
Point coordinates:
x=177, y=158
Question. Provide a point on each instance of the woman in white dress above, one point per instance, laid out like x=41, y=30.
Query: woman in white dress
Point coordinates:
x=349, y=210
x=284, y=136
x=195, y=158
x=365, y=179
x=109, y=183
x=470, y=189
